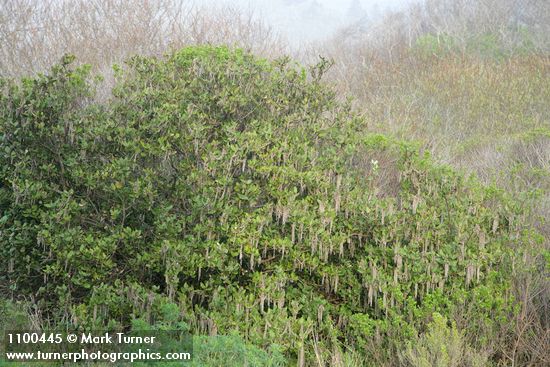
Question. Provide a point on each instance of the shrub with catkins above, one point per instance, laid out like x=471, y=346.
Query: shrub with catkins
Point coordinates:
x=229, y=185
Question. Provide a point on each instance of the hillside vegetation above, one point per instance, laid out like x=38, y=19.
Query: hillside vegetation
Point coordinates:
x=240, y=191
x=387, y=205
x=469, y=81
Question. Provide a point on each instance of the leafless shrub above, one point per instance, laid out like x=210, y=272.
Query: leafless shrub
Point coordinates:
x=35, y=34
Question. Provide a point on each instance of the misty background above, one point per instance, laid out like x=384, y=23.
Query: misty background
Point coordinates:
x=303, y=21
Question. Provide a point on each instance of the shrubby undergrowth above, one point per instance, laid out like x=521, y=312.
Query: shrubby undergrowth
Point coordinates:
x=241, y=191
x=483, y=110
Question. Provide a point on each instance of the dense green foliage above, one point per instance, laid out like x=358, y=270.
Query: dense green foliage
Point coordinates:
x=442, y=345
x=241, y=191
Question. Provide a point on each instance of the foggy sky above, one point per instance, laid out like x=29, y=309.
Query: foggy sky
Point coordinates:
x=302, y=21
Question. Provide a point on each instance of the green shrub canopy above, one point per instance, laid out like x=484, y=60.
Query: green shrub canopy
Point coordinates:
x=242, y=191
